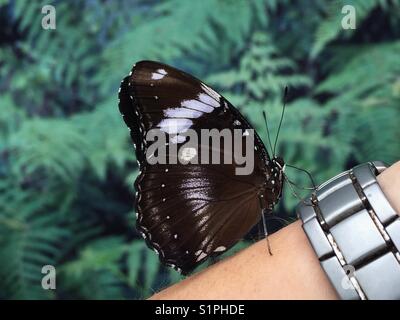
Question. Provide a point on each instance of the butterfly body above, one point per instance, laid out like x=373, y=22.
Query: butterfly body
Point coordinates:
x=189, y=212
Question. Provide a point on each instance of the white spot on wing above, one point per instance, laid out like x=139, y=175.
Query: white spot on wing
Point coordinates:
x=187, y=154
x=211, y=92
x=159, y=74
x=182, y=113
x=177, y=139
x=209, y=100
x=198, y=105
x=174, y=126
x=201, y=256
x=220, y=248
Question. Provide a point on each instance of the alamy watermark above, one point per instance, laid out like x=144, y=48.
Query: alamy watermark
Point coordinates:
x=49, y=280
x=349, y=18
x=172, y=145
x=346, y=280
x=49, y=18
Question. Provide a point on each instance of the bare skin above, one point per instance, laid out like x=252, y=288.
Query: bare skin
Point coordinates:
x=292, y=272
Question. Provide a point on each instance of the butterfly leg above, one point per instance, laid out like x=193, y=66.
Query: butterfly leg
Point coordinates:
x=263, y=212
x=294, y=193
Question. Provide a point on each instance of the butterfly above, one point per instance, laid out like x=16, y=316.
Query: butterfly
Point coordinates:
x=190, y=212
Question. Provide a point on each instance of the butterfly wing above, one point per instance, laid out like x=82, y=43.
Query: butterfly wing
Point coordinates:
x=188, y=212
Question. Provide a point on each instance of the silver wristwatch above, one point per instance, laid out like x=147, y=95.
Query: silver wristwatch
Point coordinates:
x=355, y=233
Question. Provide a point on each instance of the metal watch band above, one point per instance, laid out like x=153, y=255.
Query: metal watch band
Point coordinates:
x=355, y=233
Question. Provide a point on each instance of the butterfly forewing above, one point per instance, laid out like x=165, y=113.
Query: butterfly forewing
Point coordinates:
x=188, y=212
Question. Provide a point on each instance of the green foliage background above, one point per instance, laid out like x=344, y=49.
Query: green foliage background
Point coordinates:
x=67, y=165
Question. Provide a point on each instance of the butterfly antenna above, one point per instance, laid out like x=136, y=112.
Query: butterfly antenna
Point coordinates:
x=280, y=122
x=266, y=125
x=306, y=172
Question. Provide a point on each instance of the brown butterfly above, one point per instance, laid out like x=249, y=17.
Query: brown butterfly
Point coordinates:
x=189, y=212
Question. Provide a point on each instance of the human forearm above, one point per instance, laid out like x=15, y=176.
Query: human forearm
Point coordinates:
x=292, y=272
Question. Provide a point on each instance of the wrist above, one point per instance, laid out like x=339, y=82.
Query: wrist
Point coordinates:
x=302, y=276
x=353, y=228
x=389, y=181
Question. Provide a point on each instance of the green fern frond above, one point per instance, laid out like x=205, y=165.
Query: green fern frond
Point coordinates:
x=29, y=241
x=177, y=30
